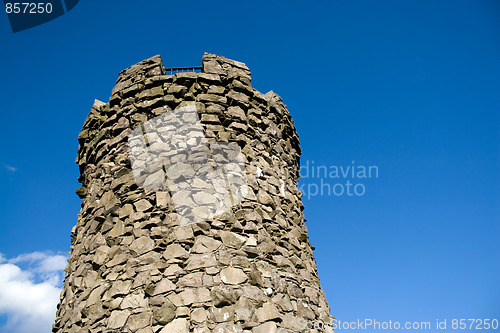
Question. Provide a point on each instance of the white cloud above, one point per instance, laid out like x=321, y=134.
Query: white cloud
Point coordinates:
x=10, y=168
x=30, y=285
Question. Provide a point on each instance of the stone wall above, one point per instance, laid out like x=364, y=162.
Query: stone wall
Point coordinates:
x=142, y=261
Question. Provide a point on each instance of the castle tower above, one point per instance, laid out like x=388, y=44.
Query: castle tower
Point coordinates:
x=191, y=220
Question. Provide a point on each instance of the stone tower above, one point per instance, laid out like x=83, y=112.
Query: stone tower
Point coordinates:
x=191, y=220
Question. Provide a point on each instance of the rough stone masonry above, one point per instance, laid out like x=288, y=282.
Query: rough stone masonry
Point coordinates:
x=163, y=247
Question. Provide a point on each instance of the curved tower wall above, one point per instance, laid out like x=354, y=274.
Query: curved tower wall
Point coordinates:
x=191, y=218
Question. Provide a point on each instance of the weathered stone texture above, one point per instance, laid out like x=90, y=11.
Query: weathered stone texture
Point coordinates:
x=134, y=268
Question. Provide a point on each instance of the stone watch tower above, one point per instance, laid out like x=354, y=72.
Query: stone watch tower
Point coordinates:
x=191, y=219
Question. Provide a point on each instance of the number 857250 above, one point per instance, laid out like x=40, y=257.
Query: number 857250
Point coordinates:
x=28, y=8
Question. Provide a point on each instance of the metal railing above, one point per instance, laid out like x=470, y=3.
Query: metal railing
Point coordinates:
x=174, y=70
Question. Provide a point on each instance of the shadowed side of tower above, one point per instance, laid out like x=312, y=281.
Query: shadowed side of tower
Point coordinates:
x=191, y=218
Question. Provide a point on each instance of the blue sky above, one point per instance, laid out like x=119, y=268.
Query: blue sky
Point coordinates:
x=408, y=86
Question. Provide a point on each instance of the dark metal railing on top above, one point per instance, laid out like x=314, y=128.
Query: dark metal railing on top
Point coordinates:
x=174, y=70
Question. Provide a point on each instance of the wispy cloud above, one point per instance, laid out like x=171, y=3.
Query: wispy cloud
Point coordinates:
x=30, y=285
x=10, y=168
